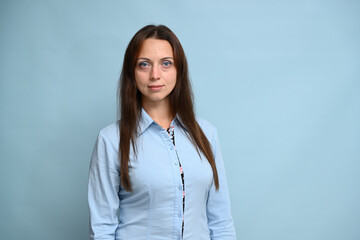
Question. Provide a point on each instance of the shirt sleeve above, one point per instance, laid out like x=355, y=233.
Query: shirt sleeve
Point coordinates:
x=220, y=221
x=103, y=188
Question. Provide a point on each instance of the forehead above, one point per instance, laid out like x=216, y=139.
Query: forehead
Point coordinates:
x=152, y=47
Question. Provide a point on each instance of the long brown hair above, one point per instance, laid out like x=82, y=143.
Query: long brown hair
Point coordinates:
x=181, y=101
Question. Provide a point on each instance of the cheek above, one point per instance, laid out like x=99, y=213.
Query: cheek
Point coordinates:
x=172, y=77
x=140, y=78
x=174, y=83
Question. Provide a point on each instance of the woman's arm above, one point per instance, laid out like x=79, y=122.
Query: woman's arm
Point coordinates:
x=103, y=188
x=220, y=221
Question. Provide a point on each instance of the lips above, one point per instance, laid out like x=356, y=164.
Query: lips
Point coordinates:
x=156, y=87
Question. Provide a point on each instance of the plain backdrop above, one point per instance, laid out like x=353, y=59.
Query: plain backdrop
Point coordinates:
x=279, y=79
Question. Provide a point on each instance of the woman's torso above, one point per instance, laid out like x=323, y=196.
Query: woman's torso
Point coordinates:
x=154, y=209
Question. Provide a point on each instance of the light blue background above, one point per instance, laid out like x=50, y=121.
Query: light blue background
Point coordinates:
x=280, y=79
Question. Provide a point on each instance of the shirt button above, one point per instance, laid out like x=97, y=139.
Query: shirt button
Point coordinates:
x=180, y=187
x=175, y=163
x=179, y=214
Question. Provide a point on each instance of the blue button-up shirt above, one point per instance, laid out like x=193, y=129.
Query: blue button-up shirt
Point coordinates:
x=154, y=209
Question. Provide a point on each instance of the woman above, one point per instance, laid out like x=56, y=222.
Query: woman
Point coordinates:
x=158, y=172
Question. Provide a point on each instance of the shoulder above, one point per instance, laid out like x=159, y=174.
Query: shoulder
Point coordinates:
x=105, y=153
x=110, y=134
x=208, y=128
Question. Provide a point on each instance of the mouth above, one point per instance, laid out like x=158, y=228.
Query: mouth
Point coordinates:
x=155, y=87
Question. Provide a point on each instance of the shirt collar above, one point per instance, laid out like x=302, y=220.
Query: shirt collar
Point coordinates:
x=146, y=121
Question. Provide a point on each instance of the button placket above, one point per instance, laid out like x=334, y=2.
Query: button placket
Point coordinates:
x=179, y=201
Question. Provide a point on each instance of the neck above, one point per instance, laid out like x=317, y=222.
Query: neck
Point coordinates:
x=160, y=112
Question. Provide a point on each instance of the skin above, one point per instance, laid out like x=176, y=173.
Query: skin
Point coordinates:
x=155, y=67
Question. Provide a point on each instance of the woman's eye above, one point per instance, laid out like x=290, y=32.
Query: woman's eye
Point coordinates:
x=144, y=64
x=167, y=63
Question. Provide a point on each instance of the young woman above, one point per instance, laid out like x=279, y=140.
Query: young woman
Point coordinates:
x=158, y=173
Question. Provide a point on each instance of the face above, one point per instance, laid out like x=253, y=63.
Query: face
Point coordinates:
x=155, y=72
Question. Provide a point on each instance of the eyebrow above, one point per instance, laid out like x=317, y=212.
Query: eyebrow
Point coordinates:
x=147, y=59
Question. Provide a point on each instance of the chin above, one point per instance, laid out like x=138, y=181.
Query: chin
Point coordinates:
x=153, y=99
x=156, y=99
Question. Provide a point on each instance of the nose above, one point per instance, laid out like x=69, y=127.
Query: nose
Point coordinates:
x=155, y=73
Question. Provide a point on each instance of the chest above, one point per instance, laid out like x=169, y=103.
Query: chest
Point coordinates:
x=156, y=170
